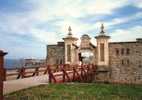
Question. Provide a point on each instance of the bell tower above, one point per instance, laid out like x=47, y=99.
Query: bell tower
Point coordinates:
x=102, y=48
x=70, y=52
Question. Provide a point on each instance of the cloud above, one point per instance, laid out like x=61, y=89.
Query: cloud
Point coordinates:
x=47, y=21
x=127, y=35
x=137, y=3
x=104, y=6
x=118, y=21
x=45, y=37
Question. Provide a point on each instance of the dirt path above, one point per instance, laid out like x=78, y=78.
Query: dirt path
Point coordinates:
x=14, y=85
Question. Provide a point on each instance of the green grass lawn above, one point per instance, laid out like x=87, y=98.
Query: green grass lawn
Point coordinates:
x=79, y=91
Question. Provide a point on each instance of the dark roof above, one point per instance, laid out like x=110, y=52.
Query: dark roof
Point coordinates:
x=122, y=42
x=102, y=36
x=52, y=45
x=85, y=36
x=60, y=43
x=92, y=45
x=138, y=40
x=75, y=46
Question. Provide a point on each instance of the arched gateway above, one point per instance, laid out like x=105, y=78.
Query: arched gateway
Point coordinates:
x=87, y=50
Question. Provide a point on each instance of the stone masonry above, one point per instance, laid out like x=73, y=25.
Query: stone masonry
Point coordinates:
x=119, y=62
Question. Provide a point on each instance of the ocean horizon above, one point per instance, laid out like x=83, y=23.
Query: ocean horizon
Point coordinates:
x=13, y=63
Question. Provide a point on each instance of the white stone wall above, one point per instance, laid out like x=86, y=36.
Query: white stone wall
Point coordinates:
x=74, y=52
x=106, y=52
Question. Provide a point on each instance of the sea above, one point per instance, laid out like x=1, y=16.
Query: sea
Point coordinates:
x=13, y=63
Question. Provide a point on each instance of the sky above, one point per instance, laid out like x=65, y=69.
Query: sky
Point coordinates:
x=27, y=26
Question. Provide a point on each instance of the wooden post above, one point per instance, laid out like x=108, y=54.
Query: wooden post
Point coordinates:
x=65, y=74
x=50, y=75
x=76, y=75
x=2, y=73
x=36, y=72
x=73, y=74
x=64, y=78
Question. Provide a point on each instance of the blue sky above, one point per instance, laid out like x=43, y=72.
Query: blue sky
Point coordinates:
x=27, y=26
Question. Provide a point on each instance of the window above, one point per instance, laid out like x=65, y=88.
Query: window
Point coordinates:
x=57, y=61
x=140, y=66
x=117, y=51
x=127, y=51
x=61, y=61
x=102, y=53
x=139, y=77
x=122, y=51
x=128, y=61
x=69, y=53
x=125, y=62
x=122, y=62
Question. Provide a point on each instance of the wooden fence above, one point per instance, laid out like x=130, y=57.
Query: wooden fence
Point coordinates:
x=55, y=73
x=2, y=72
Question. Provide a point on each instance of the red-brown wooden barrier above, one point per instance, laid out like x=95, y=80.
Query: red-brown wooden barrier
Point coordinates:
x=2, y=73
x=81, y=73
x=55, y=73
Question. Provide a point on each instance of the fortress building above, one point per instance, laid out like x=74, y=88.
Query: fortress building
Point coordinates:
x=116, y=61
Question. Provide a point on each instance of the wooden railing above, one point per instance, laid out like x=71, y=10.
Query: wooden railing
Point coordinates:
x=24, y=72
x=56, y=73
x=2, y=73
x=71, y=73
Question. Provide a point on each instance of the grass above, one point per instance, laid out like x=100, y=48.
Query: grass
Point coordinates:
x=79, y=91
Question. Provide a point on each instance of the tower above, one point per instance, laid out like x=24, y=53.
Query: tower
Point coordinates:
x=70, y=48
x=85, y=41
x=102, y=48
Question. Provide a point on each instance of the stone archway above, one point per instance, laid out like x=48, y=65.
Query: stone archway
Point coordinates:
x=87, y=56
x=87, y=50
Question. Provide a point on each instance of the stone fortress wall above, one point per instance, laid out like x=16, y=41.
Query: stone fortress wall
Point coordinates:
x=55, y=53
x=126, y=61
x=116, y=61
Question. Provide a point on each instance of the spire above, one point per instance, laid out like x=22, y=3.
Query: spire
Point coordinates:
x=70, y=31
x=102, y=29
